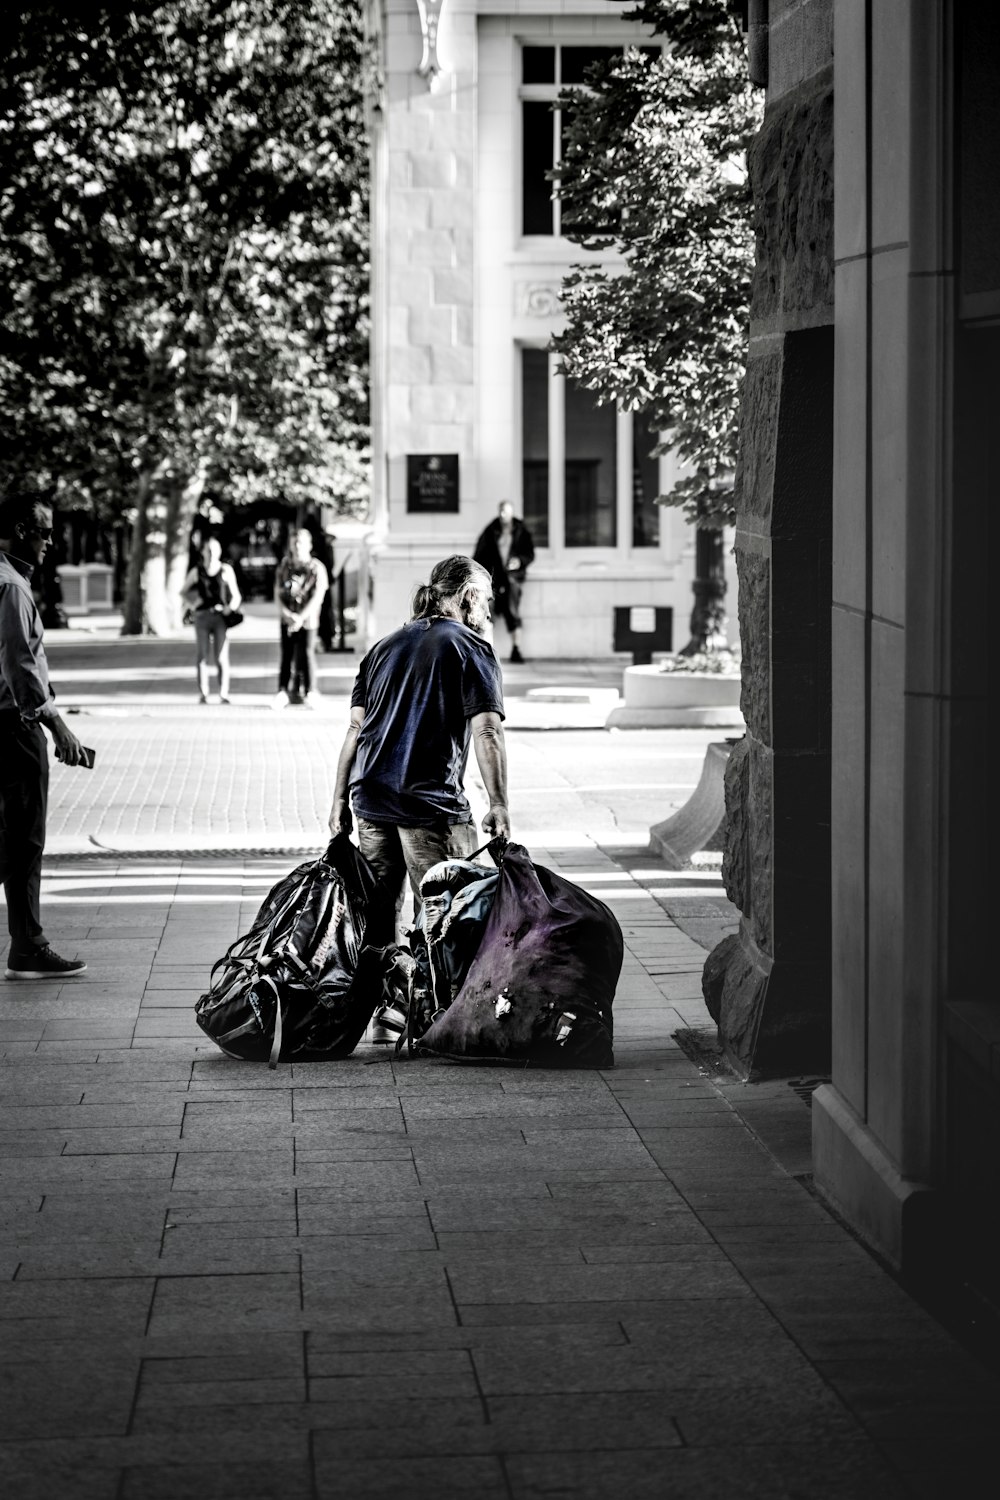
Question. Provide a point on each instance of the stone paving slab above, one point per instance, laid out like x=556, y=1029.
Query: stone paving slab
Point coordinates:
x=385, y=1278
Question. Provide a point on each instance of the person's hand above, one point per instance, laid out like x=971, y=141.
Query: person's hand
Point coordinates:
x=497, y=821
x=68, y=748
x=340, y=818
x=513, y=565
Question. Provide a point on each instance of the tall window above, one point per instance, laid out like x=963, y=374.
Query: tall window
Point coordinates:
x=538, y=125
x=588, y=472
x=545, y=71
x=535, y=442
x=645, y=484
x=591, y=464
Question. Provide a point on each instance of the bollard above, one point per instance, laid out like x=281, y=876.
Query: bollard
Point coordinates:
x=700, y=822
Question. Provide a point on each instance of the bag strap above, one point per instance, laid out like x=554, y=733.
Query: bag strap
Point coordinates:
x=405, y=1037
x=496, y=845
x=272, y=1061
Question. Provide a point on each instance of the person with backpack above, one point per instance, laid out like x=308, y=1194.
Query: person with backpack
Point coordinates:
x=422, y=695
x=213, y=596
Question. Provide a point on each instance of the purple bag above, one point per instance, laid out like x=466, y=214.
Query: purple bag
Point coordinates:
x=541, y=985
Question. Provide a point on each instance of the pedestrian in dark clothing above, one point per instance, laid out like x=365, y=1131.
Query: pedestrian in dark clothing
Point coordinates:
x=323, y=552
x=26, y=706
x=422, y=695
x=505, y=550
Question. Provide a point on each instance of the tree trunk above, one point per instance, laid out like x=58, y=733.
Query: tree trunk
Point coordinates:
x=132, y=607
x=155, y=606
x=181, y=506
x=708, y=618
x=152, y=589
x=158, y=560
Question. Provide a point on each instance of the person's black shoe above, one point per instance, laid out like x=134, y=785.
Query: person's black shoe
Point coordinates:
x=516, y=656
x=42, y=963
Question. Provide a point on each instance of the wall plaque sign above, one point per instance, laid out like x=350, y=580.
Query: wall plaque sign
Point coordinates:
x=432, y=482
x=641, y=619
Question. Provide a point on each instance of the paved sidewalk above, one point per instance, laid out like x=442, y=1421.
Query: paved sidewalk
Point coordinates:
x=97, y=668
x=370, y=1279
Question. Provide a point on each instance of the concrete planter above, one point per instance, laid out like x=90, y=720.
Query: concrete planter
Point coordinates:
x=655, y=699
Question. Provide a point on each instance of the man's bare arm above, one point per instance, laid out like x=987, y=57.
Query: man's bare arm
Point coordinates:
x=340, y=813
x=491, y=757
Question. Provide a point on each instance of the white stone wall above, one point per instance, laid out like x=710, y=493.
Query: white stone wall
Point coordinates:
x=455, y=294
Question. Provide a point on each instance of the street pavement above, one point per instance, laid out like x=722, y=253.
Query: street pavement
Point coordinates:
x=380, y=1278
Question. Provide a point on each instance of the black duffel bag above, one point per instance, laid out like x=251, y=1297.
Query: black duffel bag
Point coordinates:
x=302, y=983
x=541, y=986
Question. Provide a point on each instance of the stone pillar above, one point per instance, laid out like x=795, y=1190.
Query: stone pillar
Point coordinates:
x=768, y=987
x=906, y=1138
x=423, y=396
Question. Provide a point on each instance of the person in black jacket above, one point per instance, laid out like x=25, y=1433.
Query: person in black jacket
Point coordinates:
x=505, y=550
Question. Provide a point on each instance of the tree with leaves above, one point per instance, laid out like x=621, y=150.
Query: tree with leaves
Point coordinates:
x=183, y=263
x=654, y=167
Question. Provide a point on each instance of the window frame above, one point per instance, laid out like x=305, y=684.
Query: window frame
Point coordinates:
x=557, y=548
x=548, y=93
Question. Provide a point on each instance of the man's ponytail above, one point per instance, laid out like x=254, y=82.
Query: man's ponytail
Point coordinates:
x=449, y=580
x=426, y=602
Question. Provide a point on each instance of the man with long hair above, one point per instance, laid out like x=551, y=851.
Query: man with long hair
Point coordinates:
x=422, y=695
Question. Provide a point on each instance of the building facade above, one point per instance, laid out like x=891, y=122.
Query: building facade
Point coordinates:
x=468, y=406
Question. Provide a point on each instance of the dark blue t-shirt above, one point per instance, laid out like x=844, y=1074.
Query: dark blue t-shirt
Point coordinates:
x=419, y=687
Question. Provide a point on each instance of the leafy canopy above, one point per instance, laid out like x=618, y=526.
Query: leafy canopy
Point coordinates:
x=183, y=247
x=654, y=167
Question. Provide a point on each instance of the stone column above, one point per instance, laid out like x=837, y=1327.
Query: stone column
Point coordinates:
x=906, y=1139
x=423, y=265
x=768, y=987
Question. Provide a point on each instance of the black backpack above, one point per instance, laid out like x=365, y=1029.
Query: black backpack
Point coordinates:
x=302, y=983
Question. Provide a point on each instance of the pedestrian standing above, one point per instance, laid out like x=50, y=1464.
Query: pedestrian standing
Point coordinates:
x=325, y=626
x=26, y=708
x=300, y=586
x=422, y=695
x=505, y=549
x=213, y=596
